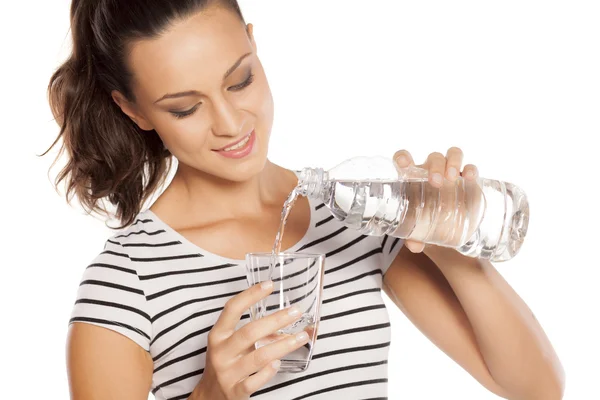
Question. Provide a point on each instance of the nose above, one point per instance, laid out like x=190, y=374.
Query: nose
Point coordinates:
x=228, y=121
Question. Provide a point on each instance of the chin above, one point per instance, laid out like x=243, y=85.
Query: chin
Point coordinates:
x=244, y=172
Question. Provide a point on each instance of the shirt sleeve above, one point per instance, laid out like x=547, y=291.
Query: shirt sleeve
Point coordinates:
x=110, y=296
x=390, y=247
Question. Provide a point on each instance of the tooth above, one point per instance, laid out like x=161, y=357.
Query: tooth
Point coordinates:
x=239, y=145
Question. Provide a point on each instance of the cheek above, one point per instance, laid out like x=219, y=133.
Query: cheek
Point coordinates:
x=182, y=137
x=262, y=102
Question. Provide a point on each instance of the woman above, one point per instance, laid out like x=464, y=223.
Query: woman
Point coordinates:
x=161, y=309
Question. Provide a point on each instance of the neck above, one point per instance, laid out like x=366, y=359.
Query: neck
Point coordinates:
x=195, y=192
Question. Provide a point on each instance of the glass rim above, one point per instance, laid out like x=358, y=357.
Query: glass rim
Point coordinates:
x=285, y=254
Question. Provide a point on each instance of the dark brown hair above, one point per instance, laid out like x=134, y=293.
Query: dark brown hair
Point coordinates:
x=109, y=156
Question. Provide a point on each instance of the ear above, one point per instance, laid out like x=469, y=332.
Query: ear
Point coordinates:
x=131, y=111
x=250, y=31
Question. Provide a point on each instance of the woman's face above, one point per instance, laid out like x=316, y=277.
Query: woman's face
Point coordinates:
x=201, y=86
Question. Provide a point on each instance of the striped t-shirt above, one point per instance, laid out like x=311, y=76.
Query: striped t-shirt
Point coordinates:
x=165, y=293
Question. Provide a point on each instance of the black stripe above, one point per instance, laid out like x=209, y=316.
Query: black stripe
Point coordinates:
x=323, y=239
x=114, y=253
x=187, y=303
x=181, y=257
x=152, y=244
x=142, y=231
x=385, y=238
x=182, y=358
x=377, y=398
x=350, y=350
x=290, y=276
x=374, y=272
x=394, y=243
x=111, y=285
x=344, y=386
x=178, y=379
x=109, y=266
x=324, y=221
x=183, y=321
x=194, y=286
x=346, y=246
x=354, y=311
x=317, y=375
x=114, y=323
x=351, y=294
x=357, y=259
x=354, y=330
x=294, y=301
x=317, y=208
x=188, y=337
x=117, y=243
x=291, y=289
x=189, y=271
x=143, y=221
x=113, y=305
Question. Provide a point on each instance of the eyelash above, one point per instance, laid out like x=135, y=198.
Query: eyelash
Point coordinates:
x=243, y=85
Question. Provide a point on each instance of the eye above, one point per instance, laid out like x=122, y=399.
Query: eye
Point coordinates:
x=244, y=84
x=186, y=113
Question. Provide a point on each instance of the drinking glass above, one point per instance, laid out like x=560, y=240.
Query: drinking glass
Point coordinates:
x=297, y=281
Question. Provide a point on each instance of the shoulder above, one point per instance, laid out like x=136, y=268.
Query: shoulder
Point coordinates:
x=145, y=225
x=110, y=293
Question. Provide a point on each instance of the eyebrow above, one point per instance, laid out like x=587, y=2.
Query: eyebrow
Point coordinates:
x=195, y=92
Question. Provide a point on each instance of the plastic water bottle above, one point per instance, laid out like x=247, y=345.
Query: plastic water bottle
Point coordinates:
x=481, y=218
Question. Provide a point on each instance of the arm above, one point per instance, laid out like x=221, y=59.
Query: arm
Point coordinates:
x=103, y=364
x=470, y=312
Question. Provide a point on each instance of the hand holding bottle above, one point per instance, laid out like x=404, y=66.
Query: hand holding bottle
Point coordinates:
x=439, y=168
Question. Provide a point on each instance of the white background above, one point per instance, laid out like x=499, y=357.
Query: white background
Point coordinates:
x=515, y=84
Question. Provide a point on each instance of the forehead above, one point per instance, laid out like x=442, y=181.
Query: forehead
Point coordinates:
x=190, y=53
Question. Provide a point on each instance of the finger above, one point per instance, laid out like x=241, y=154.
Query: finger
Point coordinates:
x=414, y=246
x=436, y=165
x=403, y=159
x=238, y=305
x=252, y=383
x=470, y=172
x=261, y=357
x=454, y=159
x=250, y=333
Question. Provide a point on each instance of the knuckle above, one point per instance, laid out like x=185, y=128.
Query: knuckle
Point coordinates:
x=245, y=334
x=229, y=306
x=247, y=387
x=260, y=358
x=212, y=338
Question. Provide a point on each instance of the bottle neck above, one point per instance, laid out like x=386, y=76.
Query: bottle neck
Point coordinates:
x=311, y=182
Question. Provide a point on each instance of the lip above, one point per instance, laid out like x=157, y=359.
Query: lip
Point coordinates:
x=241, y=152
x=234, y=143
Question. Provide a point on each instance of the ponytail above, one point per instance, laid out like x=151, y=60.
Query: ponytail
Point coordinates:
x=109, y=157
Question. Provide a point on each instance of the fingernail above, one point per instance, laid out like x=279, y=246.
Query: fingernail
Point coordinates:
x=302, y=336
x=276, y=364
x=402, y=161
x=452, y=173
x=293, y=312
x=437, y=178
x=469, y=174
x=266, y=285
